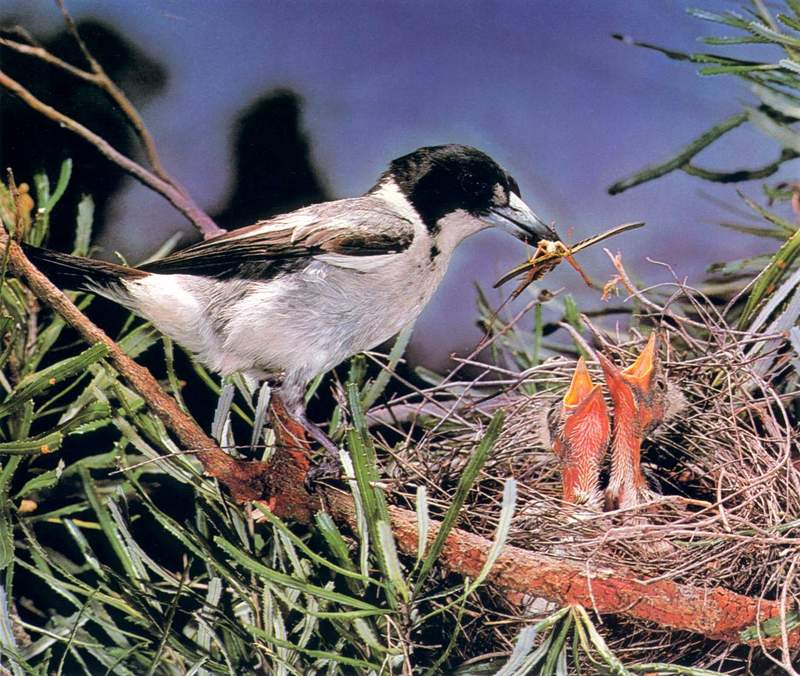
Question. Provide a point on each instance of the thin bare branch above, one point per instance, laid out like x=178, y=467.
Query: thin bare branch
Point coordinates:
x=42, y=54
x=102, y=80
x=177, y=197
x=244, y=479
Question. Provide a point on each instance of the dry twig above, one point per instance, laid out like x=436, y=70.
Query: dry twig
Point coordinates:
x=156, y=178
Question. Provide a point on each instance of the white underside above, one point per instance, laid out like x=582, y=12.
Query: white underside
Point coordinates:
x=300, y=324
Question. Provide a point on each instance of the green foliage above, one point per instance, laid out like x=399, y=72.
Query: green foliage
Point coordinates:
x=118, y=556
x=105, y=572
x=568, y=642
x=775, y=85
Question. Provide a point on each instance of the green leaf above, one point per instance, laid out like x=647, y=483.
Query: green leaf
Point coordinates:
x=770, y=627
x=771, y=233
x=790, y=64
x=61, y=185
x=683, y=157
x=334, y=540
x=779, y=100
x=46, y=443
x=132, y=569
x=177, y=530
x=36, y=383
x=318, y=654
x=423, y=522
x=8, y=641
x=365, y=467
x=468, y=477
x=773, y=35
x=260, y=418
x=584, y=623
x=83, y=227
x=313, y=556
x=92, y=416
x=737, y=69
x=289, y=582
x=41, y=482
x=729, y=19
x=767, y=280
x=501, y=534
x=376, y=388
x=389, y=554
x=735, y=40
x=786, y=136
x=139, y=340
x=786, y=227
x=557, y=647
x=792, y=23
x=6, y=539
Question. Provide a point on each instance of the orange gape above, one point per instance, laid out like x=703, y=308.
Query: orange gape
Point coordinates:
x=581, y=439
x=638, y=409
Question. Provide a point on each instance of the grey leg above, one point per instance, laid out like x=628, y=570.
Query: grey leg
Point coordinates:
x=329, y=467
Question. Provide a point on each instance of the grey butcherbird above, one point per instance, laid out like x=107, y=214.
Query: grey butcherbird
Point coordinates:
x=291, y=297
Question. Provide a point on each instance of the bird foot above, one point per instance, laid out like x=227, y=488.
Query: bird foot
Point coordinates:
x=293, y=433
x=329, y=468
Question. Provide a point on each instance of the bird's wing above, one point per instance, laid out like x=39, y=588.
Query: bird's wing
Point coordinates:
x=335, y=232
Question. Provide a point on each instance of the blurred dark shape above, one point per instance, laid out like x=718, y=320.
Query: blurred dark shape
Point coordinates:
x=29, y=142
x=273, y=169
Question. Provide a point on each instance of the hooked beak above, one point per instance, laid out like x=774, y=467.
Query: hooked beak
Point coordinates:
x=518, y=219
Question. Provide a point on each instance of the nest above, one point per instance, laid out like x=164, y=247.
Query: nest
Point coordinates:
x=727, y=470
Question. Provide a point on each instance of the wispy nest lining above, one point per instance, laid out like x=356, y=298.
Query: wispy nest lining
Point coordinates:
x=727, y=467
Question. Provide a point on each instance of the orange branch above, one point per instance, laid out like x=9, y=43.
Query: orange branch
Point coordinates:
x=713, y=612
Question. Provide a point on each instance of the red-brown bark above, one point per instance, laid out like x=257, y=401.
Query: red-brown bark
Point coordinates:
x=713, y=612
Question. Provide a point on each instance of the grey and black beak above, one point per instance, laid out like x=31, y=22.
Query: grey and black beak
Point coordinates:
x=518, y=219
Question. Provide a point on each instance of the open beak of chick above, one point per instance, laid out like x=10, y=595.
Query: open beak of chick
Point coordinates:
x=638, y=409
x=637, y=403
x=582, y=439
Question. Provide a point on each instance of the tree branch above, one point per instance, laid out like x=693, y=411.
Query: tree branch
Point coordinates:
x=42, y=54
x=180, y=200
x=102, y=80
x=716, y=613
x=157, y=179
x=245, y=480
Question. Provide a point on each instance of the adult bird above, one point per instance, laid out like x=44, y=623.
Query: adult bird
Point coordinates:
x=643, y=398
x=289, y=298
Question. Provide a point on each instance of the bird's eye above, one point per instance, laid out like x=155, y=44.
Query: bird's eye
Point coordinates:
x=473, y=185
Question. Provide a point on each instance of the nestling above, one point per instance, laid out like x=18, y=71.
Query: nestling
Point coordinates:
x=643, y=399
x=580, y=439
x=291, y=297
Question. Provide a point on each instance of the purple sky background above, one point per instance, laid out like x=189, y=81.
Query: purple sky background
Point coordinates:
x=538, y=84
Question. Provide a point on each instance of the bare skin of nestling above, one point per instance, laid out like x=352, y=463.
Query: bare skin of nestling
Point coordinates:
x=581, y=439
x=643, y=399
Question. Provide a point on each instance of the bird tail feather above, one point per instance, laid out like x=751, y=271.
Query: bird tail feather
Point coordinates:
x=75, y=272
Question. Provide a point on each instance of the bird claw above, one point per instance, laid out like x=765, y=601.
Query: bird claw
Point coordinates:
x=328, y=469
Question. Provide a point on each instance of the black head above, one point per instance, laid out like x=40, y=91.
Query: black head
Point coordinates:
x=440, y=180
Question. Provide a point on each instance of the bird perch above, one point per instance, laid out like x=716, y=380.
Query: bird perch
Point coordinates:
x=716, y=613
